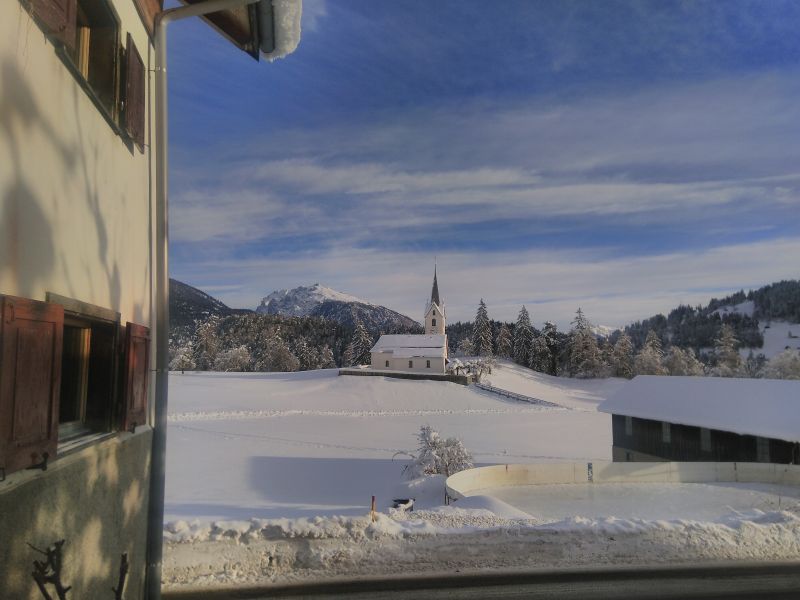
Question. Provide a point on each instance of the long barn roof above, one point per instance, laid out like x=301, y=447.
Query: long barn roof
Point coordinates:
x=767, y=408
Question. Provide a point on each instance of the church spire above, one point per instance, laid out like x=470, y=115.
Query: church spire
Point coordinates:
x=435, y=291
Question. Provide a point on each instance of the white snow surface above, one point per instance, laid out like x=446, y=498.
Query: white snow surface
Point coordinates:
x=776, y=338
x=743, y=308
x=287, y=15
x=414, y=341
x=763, y=407
x=270, y=475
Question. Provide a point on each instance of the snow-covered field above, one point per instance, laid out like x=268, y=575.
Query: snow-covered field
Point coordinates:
x=270, y=476
x=777, y=336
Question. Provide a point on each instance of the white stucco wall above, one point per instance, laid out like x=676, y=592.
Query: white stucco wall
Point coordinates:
x=75, y=214
x=401, y=364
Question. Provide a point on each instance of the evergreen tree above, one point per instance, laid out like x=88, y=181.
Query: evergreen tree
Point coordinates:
x=683, y=362
x=362, y=344
x=540, y=357
x=326, y=360
x=585, y=360
x=754, y=365
x=550, y=334
x=207, y=343
x=649, y=360
x=729, y=362
x=466, y=347
x=503, y=342
x=523, y=337
x=482, y=332
x=622, y=357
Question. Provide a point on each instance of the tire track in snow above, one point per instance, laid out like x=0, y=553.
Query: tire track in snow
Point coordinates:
x=235, y=415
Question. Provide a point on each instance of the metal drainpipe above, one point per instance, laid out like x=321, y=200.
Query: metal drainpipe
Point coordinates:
x=155, y=517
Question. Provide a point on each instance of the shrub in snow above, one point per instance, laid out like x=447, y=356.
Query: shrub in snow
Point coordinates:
x=785, y=365
x=437, y=455
x=183, y=359
x=235, y=359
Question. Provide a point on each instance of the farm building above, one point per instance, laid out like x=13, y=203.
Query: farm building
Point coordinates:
x=706, y=419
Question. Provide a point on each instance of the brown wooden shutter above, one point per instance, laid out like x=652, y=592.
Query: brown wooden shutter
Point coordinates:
x=134, y=93
x=58, y=17
x=31, y=335
x=137, y=369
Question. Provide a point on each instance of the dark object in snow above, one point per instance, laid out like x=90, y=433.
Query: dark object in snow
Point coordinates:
x=403, y=503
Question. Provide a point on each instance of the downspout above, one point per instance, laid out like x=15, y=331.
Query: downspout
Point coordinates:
x=155, y=517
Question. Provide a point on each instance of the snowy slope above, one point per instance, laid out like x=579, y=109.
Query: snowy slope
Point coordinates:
x=583, y=394
x=746, y=308
x=245, y=445
x=776, y=338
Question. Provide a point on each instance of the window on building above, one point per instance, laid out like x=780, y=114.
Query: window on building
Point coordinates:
x=628, y=425
x=428, y=364
x=88, y=367
x=433, y=322
x=411, y=364
x=60, y=363
x=87, y=33
x=96, y=50
x=387, y=363
x=762, y=449
x=705, y=440
x=666, y=433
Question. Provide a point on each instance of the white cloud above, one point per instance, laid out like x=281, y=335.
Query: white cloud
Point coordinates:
x=611, y=290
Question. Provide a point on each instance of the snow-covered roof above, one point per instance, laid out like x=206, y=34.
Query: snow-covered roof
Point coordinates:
x=286, y=27
x=428, y=343
x=767, y=408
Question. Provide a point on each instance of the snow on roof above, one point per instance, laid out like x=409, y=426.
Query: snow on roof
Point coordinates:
x=388, y=343
x=767, y=408
x=287, y=15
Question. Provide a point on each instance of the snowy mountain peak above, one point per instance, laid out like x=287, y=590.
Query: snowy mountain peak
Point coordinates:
x=320, y=301
x=301, y=301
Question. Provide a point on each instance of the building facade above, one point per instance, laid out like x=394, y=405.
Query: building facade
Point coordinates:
x=706, y=419
x=76, y=294
x=423, y=353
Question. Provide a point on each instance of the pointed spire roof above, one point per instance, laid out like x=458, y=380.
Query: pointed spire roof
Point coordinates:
x=435, y=290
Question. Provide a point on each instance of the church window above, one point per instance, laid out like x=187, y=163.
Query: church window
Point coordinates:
x=387, y=363
x=411, y=364
x=428, y=364
x=433, y=322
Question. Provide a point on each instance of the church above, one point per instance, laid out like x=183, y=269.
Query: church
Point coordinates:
x=417, y=353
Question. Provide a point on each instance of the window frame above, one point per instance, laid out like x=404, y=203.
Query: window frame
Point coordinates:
x=82, y=314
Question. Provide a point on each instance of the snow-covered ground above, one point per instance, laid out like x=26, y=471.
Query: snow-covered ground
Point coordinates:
x=776, y=338
x=270, y=476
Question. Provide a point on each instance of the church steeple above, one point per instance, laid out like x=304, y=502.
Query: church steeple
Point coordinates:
x=434, y=311
x=435, y=290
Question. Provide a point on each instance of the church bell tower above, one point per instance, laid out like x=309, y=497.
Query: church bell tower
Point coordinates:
x=435, y=316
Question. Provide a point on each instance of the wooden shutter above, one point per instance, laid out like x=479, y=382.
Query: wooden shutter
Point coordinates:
x=134, y=93
x=31, y=335
x=137, y=369
x=58, y=18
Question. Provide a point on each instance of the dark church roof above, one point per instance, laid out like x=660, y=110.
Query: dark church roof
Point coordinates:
x=435, y=291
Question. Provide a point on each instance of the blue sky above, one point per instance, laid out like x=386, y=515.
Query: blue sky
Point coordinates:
x=618, y=156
